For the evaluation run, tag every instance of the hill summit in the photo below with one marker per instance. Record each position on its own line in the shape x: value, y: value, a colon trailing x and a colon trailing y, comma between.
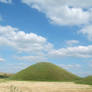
x: 44, y: 72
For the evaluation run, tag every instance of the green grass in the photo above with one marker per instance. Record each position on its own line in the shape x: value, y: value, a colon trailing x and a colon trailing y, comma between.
x: 4, y: 77
x: 86, y: 80
x: 3, y: 80
x: 44, y: 72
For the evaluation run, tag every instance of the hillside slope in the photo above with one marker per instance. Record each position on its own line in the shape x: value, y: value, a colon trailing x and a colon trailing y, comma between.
x: 44, y: 72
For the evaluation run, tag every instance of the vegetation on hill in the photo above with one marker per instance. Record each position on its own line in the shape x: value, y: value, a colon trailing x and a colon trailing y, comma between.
x: 45, y: 72
x: 86, y: 80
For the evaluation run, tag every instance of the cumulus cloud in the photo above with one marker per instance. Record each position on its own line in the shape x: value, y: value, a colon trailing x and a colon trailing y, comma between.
x: 33, y: 45
x: 87, y: 31
x: 64, y: 12
x: 6, y: 1
x: 71, y: 66
x: 78, y: 51
x: 21, y: 41
x: 72, y: 42
x: 2, y: 59
x: 38, y: 58
x: 37, y: 48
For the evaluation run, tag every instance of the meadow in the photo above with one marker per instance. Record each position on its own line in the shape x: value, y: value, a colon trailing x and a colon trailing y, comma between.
x: 25, y: 86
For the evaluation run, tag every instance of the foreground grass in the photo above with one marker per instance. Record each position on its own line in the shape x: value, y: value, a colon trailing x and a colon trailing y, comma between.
x: 7, y: 85
x: 80, y: 81
x: 4, y: 80
x: 25, y: 86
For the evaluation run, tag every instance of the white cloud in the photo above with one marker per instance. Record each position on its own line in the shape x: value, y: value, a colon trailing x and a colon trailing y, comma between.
x: 78, y: 51
x: 2, y: 59
x: 64, y: 12
x: 72, y: 42
x: 87, y: 31
x: 33, y: 58
x: 74, y: 3
x: 33, y: 45
x: 71, y: 66
x: 21, y: 41
x: 6, y: 1
x: 36, y: 47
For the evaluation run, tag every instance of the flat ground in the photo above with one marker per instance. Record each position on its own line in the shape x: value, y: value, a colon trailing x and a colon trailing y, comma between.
x: 23, y: 86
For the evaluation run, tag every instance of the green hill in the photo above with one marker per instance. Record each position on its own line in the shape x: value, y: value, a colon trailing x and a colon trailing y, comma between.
x: 44, y: 72
x: 86, y: 80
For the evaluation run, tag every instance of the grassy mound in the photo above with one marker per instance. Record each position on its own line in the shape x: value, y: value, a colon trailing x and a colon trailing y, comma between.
x: 87, y: 80
x: 44, y: 72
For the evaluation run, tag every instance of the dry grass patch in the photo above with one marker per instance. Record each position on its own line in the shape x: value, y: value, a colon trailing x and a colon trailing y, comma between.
x: 23, y: 86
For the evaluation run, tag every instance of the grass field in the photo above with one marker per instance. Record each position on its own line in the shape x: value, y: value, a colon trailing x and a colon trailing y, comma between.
x: 23, y: 86
x: 3, y: 80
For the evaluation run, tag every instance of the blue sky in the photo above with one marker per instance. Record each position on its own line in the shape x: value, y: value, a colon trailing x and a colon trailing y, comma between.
x: 42, y: 30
